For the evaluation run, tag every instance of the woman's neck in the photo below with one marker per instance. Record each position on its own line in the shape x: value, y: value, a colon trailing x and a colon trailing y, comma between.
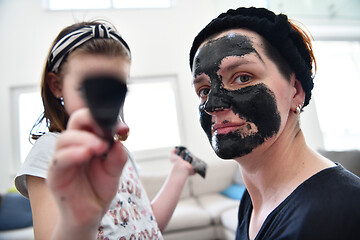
x: 272, y: 175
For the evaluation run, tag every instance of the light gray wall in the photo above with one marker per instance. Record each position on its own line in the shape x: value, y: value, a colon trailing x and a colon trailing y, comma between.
x: 160, y: 41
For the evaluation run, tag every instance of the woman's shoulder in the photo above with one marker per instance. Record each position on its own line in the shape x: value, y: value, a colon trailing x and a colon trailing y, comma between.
x: 332, y: 190
x: 327, y: 202
x: 335, y: 178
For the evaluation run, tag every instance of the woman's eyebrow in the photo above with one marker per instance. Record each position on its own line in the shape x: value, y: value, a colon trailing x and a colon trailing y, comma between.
x: 231, y: 66
x: 234, y: 65
x: 258, y: 56
x: 199, y: 80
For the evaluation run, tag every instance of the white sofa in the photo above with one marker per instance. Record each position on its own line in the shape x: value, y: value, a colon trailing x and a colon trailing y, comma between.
x: 202, y: 212
x: 18, y: 234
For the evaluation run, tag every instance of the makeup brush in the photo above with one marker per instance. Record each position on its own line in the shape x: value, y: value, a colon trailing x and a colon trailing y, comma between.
x: 105, y: 96
x: 199, y: 165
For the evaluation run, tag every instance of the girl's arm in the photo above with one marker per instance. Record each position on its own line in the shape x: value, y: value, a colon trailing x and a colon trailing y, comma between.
x: 82, y: 180
x: 43, y: 206
x: 165, y: 201
x: 46, y: 214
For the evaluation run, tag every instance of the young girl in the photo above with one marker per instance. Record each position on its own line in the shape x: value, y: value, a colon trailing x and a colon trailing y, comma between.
x: 72, y: 176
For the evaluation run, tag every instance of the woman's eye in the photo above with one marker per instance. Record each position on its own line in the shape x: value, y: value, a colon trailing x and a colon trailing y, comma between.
x: 203, y: 92
x: 243, y: 78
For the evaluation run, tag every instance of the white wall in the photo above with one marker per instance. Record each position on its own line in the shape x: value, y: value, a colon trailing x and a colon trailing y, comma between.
x: 160, y: 41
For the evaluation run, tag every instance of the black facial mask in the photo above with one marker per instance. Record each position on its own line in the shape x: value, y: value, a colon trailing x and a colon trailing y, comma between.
x: 255, y: 104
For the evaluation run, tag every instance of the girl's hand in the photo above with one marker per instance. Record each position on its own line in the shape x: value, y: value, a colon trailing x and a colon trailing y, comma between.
x: 85, y: 171
x: 180, y: 164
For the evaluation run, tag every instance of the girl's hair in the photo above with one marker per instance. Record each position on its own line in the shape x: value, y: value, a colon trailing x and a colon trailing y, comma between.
x: 286, y: 44
x: 54, y: 114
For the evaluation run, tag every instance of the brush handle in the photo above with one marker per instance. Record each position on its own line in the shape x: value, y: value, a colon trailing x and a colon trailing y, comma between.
x: 199, y: 165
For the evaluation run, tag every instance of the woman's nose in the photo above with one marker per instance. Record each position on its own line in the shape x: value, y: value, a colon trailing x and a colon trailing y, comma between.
x: 216, y: 102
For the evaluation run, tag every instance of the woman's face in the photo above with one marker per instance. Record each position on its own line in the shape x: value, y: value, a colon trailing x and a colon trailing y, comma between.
x: 244, y: 99
x: 80, y: 66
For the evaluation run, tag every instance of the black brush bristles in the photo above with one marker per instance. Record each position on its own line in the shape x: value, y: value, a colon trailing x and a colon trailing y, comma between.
x: 105, y: 96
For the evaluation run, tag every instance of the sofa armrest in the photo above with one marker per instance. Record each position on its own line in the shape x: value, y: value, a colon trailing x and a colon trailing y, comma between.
x: 219, y: 176
x: 348, y: 159
x: 153, y: 181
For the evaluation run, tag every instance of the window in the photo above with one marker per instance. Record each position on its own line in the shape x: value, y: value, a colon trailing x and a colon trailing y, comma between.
x: 142, y: 3
x: 150, y: 110
x: 77, y: 4
x: 28, y: 108
x: 336, y: 93
x: 105, y: 4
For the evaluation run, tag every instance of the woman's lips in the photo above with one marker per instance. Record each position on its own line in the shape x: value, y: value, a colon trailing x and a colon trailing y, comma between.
x: 225, y: 128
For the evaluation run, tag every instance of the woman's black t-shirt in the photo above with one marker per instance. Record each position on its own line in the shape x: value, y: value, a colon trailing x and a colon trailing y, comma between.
x: 324, y: 207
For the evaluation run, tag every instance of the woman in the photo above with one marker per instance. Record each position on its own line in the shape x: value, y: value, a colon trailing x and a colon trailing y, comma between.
x: 253, y: 73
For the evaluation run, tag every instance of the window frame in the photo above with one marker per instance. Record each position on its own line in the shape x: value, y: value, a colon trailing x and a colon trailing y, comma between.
x: 15, y: 93
x: 338, y: 30
x: 331, y: 140
x: 160, y: 153
x: 139, y: 155
x: 110, y: 5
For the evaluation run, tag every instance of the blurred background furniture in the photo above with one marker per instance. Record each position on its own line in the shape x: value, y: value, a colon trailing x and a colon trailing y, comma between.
x: 15, y: 217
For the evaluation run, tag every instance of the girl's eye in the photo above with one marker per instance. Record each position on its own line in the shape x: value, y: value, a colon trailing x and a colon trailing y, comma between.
x: 203, y: 92
x: 243, y: 78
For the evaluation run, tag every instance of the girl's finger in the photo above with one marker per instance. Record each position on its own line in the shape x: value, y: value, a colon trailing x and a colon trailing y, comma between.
x: 65, y: 165
x: 115, y: 160
x: 77, y: 137
x: 82, y: 120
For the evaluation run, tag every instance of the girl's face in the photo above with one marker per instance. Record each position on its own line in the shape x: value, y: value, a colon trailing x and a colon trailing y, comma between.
x: 80, y: 66
x: 244, y: 99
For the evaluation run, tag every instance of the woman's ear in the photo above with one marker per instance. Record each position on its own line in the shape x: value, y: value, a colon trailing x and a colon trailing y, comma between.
x: 55, y: 84
x: 298, y: 97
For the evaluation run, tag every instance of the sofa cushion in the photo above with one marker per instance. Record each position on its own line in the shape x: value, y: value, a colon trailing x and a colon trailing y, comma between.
x: 188, y: 214
x: 215, y: 204
x: 18, y: 234
x: 15, y: 212
x: 203, y: 233
x: 220, y: 175
x: 238, y: 178
x: 228, y: 235
x: 229, y: 219
x: 234, y: 191
x: 153, y: 181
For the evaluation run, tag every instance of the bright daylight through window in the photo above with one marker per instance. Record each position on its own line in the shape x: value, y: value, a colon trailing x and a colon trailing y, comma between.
x: 150, y: 111
x: 105, y: 4
x: 336, y: 93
